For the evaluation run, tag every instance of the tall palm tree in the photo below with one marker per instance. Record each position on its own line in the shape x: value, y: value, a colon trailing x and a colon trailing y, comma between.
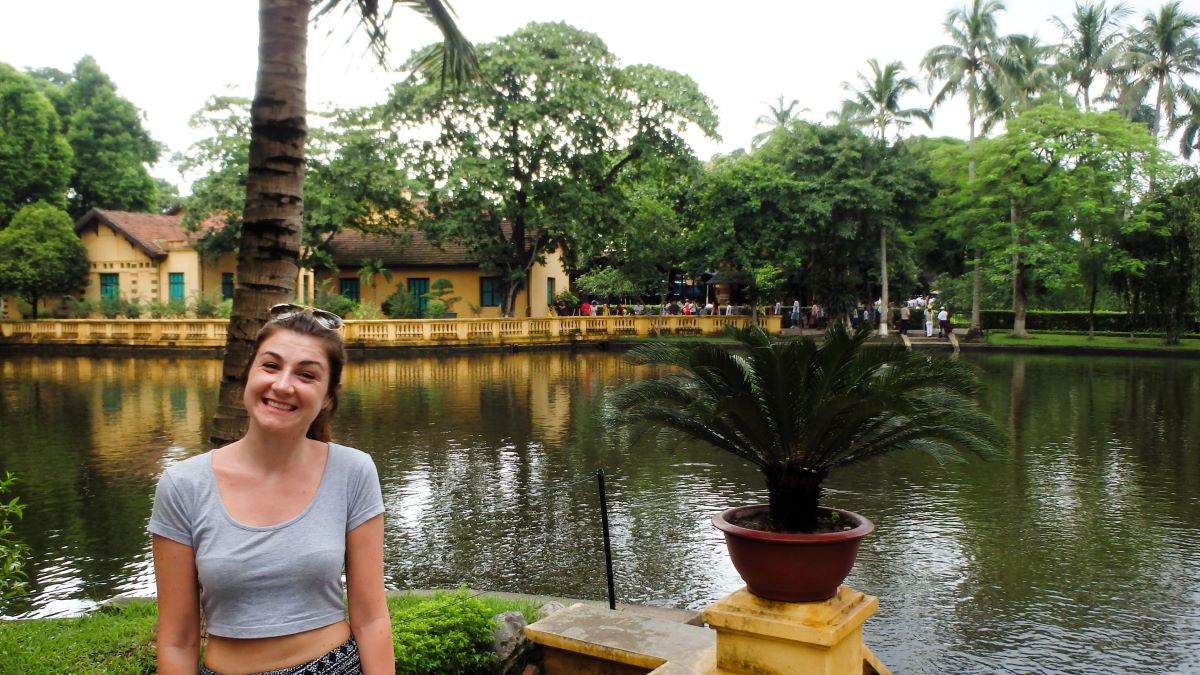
x: 797, y: 410
x: 1092, y: 45
x: 779, y: 116
x: 1189, y: 122
x: 876, y: 104
x: 1160, y: 54
x: 968, y: 65
x: 271, y: 220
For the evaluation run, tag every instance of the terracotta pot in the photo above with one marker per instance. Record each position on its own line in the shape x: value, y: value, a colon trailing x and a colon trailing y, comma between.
x: 791, y: 567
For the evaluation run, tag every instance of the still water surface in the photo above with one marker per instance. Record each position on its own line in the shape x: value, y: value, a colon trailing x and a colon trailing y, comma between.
x: 1081, y: 553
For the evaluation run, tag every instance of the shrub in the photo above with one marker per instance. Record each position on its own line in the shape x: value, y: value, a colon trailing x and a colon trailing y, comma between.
x: 12, y: 551
x: 110, y: 307
x: 204, y: 308
x: 435, y: 309
x: 402, y: 305
x: 441, y: 291
x: 78, y: 308
x: 451, y: 634
x: 366, y: 311
x: 131, y: 308
x: 338, y: 304
x: 157, y: 309
x: 1002, y: 319
x: 225, y: 308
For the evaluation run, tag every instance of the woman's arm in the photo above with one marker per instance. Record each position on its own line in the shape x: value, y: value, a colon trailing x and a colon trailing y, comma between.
x: 178, y: 607
x: 369, y: 618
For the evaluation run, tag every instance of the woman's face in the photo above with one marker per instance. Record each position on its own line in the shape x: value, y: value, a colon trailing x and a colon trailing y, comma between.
x: 288, y: 383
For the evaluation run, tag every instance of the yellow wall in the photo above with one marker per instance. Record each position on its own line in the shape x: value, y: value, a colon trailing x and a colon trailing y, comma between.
x: 111, y: 253
x: 466, y: 286
x: 210, y: 275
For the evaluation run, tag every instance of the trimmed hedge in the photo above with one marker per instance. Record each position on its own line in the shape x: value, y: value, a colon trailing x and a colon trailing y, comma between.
x: 1117, y: 322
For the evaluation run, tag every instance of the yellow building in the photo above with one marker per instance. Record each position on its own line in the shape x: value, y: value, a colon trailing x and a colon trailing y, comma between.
x: 414, y: 264
x: 149, y: 256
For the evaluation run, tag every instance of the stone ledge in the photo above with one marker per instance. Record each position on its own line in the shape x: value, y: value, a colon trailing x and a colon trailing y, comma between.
x: 620, y: 637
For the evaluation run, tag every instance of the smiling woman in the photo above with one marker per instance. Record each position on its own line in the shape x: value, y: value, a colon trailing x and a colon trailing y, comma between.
x: 257, y: 533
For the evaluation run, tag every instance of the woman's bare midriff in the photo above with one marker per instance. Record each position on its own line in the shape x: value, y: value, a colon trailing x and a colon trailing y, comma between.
x: 242, y: 656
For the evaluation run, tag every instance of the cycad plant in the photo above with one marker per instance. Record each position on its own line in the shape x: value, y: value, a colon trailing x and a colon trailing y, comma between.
x: 797, y: 409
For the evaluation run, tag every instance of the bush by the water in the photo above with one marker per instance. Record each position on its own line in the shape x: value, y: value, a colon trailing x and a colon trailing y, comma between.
x: 443, y: 633
x: 1117, y: 322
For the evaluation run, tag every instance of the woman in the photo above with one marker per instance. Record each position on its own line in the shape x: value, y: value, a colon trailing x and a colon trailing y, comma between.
x: 257, y: 533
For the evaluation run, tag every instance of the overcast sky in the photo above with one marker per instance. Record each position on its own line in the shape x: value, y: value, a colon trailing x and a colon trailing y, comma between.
x: 168, y: 56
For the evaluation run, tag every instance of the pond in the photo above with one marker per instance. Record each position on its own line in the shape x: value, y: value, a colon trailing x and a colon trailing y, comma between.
x: 1080, y: 552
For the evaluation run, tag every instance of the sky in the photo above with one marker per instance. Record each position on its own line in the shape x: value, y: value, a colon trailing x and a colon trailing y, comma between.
x: 168, y: 56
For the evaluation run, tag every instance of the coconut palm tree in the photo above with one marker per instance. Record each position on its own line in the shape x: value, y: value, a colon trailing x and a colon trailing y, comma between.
x: 1190, y: 123
x: 780, y: 116
x: 1160, y: 54
x: 1092, y: 45
x: 969, y: 65
x: 798, y: 409
x: 876, y: 104
x: 271, y: 220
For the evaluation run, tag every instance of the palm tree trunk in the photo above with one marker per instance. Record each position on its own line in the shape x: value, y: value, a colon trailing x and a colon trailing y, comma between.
x: 271, y: 221
x: 976, y: 326
x: 885, y: 316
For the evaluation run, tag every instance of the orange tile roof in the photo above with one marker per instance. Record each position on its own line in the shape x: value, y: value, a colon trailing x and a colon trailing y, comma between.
x: 350, y: 248
x: 144, y: 230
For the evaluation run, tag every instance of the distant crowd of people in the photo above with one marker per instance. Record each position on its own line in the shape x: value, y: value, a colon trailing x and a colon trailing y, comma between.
x: 920, y: 309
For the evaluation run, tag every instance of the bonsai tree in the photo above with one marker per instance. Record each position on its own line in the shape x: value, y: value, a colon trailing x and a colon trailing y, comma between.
x: 797, y: 409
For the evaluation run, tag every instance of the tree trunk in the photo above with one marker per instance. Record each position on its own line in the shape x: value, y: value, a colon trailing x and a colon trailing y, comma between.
x: 1019, y: 281
x: 885, y: 316
x: 270, y: 244
x: 976, y: 327
x: 793, y: 497
x: 1092, y: 305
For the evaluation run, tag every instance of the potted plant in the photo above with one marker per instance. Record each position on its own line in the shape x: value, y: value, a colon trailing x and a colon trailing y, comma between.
x: 797, y: 409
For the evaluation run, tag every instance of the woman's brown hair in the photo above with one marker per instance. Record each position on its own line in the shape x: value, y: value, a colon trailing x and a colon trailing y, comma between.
x: 304, y: 324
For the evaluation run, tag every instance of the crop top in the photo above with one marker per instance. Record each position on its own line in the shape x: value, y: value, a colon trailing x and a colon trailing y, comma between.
x: 268, y: 581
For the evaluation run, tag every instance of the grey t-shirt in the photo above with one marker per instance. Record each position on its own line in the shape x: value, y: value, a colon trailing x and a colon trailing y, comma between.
x: 268, y: 581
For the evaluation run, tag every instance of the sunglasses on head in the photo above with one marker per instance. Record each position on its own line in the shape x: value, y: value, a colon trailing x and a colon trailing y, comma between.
x: 326, y: 319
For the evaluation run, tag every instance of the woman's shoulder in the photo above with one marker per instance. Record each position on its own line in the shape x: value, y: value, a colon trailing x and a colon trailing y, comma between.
x: 192, y: 467
x: 346, y: 456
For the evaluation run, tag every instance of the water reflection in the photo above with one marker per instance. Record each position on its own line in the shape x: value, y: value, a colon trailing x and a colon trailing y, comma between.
x: 1078, y: 553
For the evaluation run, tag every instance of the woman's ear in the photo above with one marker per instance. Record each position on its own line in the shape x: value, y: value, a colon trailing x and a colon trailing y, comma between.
x: 329, y: 396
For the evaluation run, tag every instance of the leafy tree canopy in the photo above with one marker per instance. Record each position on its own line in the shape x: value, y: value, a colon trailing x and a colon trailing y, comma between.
x: 40, y: 254
x: 542, y: 147
x: 112, y: 150
x: 811, y: 202
x: 35, y: 158
x: 353, y: 176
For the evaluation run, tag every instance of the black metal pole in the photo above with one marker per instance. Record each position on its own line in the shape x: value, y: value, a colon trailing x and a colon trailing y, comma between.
x: 612, y: 594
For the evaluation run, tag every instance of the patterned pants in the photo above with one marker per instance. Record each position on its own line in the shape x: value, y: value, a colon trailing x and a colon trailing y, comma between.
x: 341, y: 660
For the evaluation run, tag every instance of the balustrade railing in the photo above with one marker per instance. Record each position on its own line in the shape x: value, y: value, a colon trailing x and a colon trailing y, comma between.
x: 401, y: 332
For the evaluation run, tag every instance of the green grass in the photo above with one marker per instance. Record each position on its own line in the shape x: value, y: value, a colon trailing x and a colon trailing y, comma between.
x: 112, y: 640
x: 120, y: 640
x: 1057, y: 340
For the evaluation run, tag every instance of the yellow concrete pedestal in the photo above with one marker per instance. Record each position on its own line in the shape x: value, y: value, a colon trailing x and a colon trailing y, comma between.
x: 815, y: 638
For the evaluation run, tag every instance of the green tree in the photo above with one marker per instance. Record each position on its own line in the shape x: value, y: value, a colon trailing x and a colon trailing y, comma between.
x: 779, y: 116
x: 35, y: 158
x: 811, y: 202
x: 1166, y: 282
x: 969, y: 65
x: 1160, y: 54
x: 269, y: 242
x: 112, y: 150
x: 1092, y: 45
x: 1067, y: 178
x: 531, y: 163
x: 40, y: 255
x: 877, y: 105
